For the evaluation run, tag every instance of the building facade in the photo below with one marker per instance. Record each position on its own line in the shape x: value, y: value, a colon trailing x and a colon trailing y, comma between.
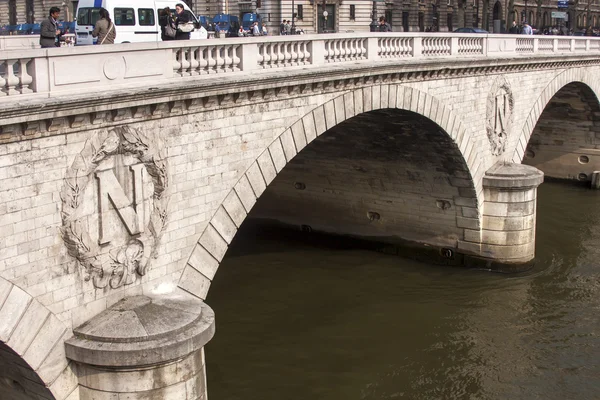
x: 357, y: 15
x: 408, y: 15
x: 14, y: 12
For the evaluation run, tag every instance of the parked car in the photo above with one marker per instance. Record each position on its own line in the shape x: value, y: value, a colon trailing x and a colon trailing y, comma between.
x: 470, y: 30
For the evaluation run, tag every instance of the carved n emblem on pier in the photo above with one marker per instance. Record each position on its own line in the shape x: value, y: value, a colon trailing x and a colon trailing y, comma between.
x: 131, y: 212
x: 115, y: 206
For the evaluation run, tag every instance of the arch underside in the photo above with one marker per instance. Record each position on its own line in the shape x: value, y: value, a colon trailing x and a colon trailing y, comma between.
x: 33, y: 364
x: 18, y: 381
x: 565, y: 142
x: 589, y: 90
x: 452, y: 151
x: 388, y: 175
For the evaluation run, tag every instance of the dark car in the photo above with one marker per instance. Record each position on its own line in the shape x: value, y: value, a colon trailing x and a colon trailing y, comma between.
x: 470, y: 30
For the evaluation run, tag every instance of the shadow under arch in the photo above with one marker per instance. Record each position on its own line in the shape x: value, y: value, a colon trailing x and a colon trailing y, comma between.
x: 575, y: 75
x: 229, y: 216
x: 33, y: 363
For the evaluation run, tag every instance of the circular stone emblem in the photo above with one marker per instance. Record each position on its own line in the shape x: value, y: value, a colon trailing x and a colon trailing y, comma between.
x: 114, y: 206
x: 499, y: 111
x: 114, y: 67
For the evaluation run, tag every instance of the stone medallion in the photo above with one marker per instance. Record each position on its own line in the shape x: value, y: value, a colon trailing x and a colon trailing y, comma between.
x: 114, y: 204
x: 499, y: 112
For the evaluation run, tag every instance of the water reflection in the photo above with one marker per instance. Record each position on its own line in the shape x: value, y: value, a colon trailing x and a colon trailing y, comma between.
x: 297, y: 321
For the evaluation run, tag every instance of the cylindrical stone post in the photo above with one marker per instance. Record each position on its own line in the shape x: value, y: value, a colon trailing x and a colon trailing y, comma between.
x: 509, y: 213
x: 144, y: 348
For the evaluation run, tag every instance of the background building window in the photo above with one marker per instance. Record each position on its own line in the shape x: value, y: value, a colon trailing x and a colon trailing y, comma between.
x: 405, y: 25
x: 12, y: 12
x: 388, y: 17
x: 300, y: 14
x: 352, y: 12
x: 30, y: 12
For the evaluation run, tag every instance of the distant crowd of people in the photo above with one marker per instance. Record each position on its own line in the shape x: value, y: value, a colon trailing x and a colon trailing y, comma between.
x: 561, y: 29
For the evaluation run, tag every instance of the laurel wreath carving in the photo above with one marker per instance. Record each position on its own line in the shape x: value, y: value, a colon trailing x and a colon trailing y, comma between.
x: 128, y: 261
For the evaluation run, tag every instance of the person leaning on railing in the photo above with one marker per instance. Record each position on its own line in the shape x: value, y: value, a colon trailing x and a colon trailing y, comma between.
x: 105, y: 28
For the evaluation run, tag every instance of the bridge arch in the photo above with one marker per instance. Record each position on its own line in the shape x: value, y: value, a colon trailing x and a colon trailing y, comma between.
x: 32, y: 353
x: 229, y: 216
x: 571, y: 76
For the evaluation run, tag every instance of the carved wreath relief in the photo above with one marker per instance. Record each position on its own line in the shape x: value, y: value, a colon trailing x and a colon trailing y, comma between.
x: 114, y: 206
x: 499, y: 113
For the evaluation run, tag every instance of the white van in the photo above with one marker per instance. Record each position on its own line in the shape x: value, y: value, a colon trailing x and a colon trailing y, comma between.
x: 135, y: 20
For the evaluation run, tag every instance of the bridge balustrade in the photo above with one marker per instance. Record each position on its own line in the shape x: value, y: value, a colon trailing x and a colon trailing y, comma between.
x: 39, y: 73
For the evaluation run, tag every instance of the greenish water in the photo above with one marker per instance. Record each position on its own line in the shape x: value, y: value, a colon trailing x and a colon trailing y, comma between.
x: 297, y: 321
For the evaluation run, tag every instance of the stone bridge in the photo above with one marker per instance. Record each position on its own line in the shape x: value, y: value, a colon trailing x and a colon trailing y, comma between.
x: 126, y: 171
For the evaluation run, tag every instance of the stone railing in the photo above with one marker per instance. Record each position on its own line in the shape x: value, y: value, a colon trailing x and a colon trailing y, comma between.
x: 30, y: 73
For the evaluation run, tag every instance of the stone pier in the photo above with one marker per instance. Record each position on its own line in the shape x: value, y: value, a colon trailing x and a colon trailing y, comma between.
x: 144, y: 348
x: 508, y: 223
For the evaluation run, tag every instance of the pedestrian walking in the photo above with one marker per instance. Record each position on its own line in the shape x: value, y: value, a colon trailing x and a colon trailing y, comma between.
x: 184, y: 23
x: 256, y: 31
x: 265, y: 32
x: 104, y: 29
x: 282, y: 28
x: 168, y: 30
x: 527, y: 30
x: 514, y: 29
x: 49, y: 32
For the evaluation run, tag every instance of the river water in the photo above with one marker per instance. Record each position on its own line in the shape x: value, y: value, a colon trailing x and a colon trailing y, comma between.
x: 297, y: 321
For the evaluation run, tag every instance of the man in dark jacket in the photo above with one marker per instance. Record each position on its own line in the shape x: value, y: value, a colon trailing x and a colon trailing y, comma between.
x: 183, y: 17
x: 49, y: 32
x: 384, y: 26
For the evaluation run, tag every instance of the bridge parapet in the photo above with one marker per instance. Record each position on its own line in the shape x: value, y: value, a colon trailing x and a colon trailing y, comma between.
x: 44, y: 73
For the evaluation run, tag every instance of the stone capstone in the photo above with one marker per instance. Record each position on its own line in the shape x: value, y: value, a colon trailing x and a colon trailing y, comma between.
x: 512, y: 176
x: 144, y: 347
x: 143, y: 330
